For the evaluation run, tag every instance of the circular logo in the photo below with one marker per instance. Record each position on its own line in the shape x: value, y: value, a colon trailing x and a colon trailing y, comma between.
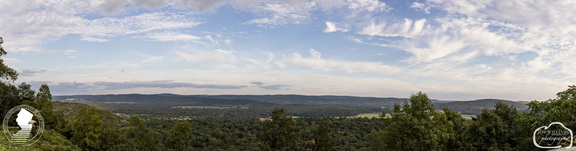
x: 27, y: 131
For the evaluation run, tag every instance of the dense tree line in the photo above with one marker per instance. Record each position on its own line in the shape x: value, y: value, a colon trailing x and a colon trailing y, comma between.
x: 414, y: 125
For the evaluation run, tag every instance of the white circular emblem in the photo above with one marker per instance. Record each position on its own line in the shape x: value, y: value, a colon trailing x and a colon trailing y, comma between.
x: 28, y: 131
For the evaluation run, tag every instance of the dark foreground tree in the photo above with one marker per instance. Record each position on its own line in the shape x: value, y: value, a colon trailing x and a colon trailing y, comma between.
x: 94, y: 129
x: 415, y: 126
x: 280, y: 133
x: 561, y: 109
x: 180, y: 136
x: 321, y: 139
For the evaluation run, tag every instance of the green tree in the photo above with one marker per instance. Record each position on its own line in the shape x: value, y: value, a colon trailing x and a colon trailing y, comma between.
x: 180, y: 136
x: 26, y: 94
x: 415, y: 126
x: 94, y: 129
x: 280, y: 133
x: 8, y: 97
x: 8, y: 93
x: 494, y: 129
x: 6, y: 73
x: 44, y: 105
x: 321, y: 139
x: 456, y: 127
x: 139, y: 137
x: 561, y: 109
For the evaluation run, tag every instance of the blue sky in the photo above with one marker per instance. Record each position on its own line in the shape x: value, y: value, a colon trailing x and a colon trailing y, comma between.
x: 449, y: 49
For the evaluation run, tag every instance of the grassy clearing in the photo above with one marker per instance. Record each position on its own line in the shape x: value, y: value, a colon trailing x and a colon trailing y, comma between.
x: 377, y: 115
x: 467, y: 117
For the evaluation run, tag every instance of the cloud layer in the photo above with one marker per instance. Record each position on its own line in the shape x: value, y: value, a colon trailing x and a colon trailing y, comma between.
x: 511, y: 49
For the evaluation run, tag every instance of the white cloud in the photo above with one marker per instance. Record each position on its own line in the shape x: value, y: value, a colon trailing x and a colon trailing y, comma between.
x: 242, y: 4
x: 199, y: 5
x: 408, y: 28
x: 93, y: 39
x: 282, y: 13
x: 421, y: 7
x: 317, y: 62
x: 149, y: 58
x: 367, y: 5
x: 215, y: 56
x: 508, y: 28
x: 136, y: 24
x: 112, y: 7
x: 150, y: 4
x: 28, y: 25
x: 171, y: 36
x: 328, y: 4
x: 331, y: 27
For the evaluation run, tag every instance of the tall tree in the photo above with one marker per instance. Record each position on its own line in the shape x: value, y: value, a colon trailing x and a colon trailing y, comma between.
x: 280, y: 133
x: 6, y: 73
x: 456, y: 127
x: 43, y: 102
x: 94, y: 129
x: 180, y: 136
x: 8, y: 93
x: 561, y: 109
x: 8, y: 97
x: 26, y: 94
x: 139, y: 137
x: 415, y: 126
x: 321, y: 139
x: 494, y: 129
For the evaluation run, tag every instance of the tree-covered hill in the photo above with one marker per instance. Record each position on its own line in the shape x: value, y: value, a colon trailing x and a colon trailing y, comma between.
x: 298, y: 105
x: 475, y: 107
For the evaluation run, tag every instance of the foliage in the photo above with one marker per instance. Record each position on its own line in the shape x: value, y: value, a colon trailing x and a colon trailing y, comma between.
x: 321, y: 139
x: 279, y: 133
x: 415, y: 126
x: 94, y: 129
x: 138, y: 137
x: 180, y: 136
x: 6, y: 73
x: 561, y: 109
x: 493, y: 129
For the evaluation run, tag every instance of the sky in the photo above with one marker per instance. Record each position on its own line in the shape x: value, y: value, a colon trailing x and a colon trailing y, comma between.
x: 450, y: 49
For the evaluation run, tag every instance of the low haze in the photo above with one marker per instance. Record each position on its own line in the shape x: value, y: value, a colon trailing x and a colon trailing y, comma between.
x: 449, y: 49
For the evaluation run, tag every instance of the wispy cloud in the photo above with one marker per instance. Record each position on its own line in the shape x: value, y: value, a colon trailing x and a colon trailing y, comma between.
x: 282, y: 13
x: 171, y: 36
x: 162, y: 84
x: 408, y: 28
x: 331, y: 27
x: 217, y: 56
x: 149, y: 58
x: 316, y: 61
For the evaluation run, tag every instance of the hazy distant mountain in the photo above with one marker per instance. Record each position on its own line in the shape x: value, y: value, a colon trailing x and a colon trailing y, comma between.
x: 167, y: 99
x: 465, y: 107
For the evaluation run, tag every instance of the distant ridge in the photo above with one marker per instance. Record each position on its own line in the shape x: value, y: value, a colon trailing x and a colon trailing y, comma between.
x: 473, y: 107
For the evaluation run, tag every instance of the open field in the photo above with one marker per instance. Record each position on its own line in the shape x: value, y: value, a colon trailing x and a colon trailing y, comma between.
x: 377, y: 115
